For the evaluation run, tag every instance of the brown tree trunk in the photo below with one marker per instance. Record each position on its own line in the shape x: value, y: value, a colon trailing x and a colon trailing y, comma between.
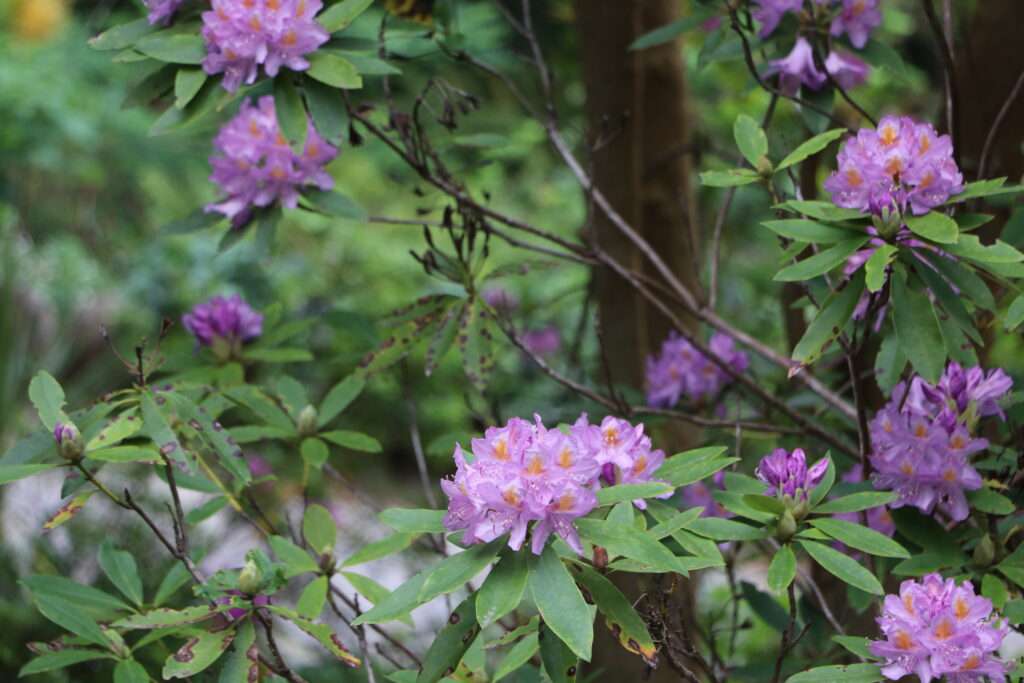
x: 637, y: 133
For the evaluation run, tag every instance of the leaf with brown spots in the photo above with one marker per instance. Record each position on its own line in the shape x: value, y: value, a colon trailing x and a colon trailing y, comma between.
x: 323, y: 634
x: 198, y: 653
x: 623, y: 621
x: 165, y: 618
x: 243, y: 661
x: 70, y: 508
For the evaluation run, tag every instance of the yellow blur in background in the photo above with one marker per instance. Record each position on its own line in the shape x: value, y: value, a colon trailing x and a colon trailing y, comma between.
x: 37, y: 20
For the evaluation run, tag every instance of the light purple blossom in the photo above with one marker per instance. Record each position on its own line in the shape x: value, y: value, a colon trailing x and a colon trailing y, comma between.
x: 937, y: 628
x: 770, y: 12
x: 786, y: 473
x: 224, y: 323
x: 255, y: 166
x: 242, y: 35
x: 846, y: 69
x: 543, y: 341
x: 900, y: 165
x: 64, y: 432
x: 161, y: 11
x: 857, y: 19
x: 923, y: 438
x: 681, y: 370
x: 524, y: 474
x: 798, y: 68
x: 501, y: 299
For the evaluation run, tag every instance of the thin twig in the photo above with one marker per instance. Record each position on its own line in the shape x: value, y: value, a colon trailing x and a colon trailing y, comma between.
x: 993, y: 132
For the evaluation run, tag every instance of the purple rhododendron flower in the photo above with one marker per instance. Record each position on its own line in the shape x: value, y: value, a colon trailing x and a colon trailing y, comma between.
x: 223, y: 323
x: 242, y: 35
x: 847, y: 70
x: 937, y: 628
x: 501, y: 299
x: 857, y: 19
x: 161, y: 11
x: 901, y: 164
x: 63, y: 432
x: 770, y: 12
x: 786, y: 473
x: 798, y: 68
x: 524, y: 473
x: 543, y: 341
x: 256, y: 167
x: 680, y: 370
x: 923, y: 438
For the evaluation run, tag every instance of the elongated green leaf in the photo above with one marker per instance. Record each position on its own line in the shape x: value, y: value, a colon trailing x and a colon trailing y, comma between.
x: 782, y: 569
x: 121, y: 36
x: 116, y: 431
x: 969, y: 246
x: 825, y: 485
x: 841, y: 673
x: 313, y: 597
x: 413, y: 521
x: 334, y: 70
x: 9, y: 473
x: 987, y: 500
x: 821, y: 262
x: 620, y: 616
x: 166, y: 618
x: 198, y: 653
x: 187, y: 83
x: 965, y: 279
x: 146, y: 453
x: 1015, y: 314
x: 333, y: 203
x: 339, y: 398
x: 451, y: 643
x: 918, y: 330
x: 337, y: 17
x: 560, y: 603
x: 750, y: 139
x: 47, y: 396
x: 71, y: 618
x: 297, y: 561
x: 177, y: 48
x: 518, y: 656
x: 314, y: 452
x: 382, y: 548
x: 861, y: 537
x: 356, y: 441
x: 829, y: 323
x: 690, y: 466
x: 120, y: 568
x: 810, y: 147
x: 61, y: 659
x: 97, y: 604
x: 397, y: 604
x: 734, y: 177
x: 291, y: 113
x: 985, y: 188
x: 319, y: 529
x: 157, y: 428
x: 804, y: 230
x: 628, y: 492
x: 560, y: 662
x: 823, y: 211
x: 855, y: 502
x: 843, y: 567
x: 719, y: 529
x: 627, y: 541
x: 242, y: 665
x: 455, y: 570
x: 875, y: 267
x: 934, y: 226
x: 503, y: 589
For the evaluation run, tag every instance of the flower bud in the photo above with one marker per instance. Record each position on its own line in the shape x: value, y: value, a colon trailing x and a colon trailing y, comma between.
x: 801, y: 508
x: 307, y: 421
x: 251, y: 578
x: 69, y: 441
x: 764, y: 167
x: 984, y: 552
x: 786, y: 526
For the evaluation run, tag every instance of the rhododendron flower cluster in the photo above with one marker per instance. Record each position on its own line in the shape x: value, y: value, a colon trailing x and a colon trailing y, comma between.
x: 161, y: 11
x: 937, y: 628
x: 855, y: 18
x: 681, y: 370
x: 256, y: 167
x: 525, y: 473
x: 923, y: 439
x: 786, y: 473
x: 242, y: 35
x: 899, y: 165
x: 224, y: 323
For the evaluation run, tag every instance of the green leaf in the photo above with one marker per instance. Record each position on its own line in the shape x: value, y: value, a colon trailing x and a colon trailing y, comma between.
x: 560, y: 603
x: 963, y: 276
x: 804, y: 230
x: 333, y: 203
x: 322, y: 633
x: 97, y: 604
x: 691, y: 466
x: 121, y: 36
x: 334, y: 70
x: 454, y: 571
x: 239, y: 668
x: 397, y: 604
x: 206, y: 510
x: 839, y: 673
x: 503, y: 589
x: 823, y: 211
x: 769, y: 504
x: 130, y: 671
x: 855, y: 502
x: 560, y: 663
x: 827, y: 481
x: 71, y: 618
x: 262, y: 406
x: 669, y: 32
x: 117, y: 430
x: 61, y: 659
x: 47, y: 396
x: 198, y: 653
x: 9, y: 473
x: 146, y: 453
x: 176, y: 48
x: 629, y: 492
x: 620, y: 616
x: 750, y: 139
x: 934, y: 226
x: 120, y: 568
x: 810, y: 148
x: 356, y: 441
x: 199, y: 219
x: 291, y: 114
x: 994, y: 588
x: 158, y: 429
x: 765, y: 606
x: 782, y: 569
x: 229, y: 455
x: 167, y: 618
x: 187, y: 83
x: 314, y: 452
x: 875, y: 267
x: 987, y: 500
x: 918, y: 330
x: 289, y: 355
x: 861, y: 537
x: 1014, y: 314
x: 172, y: 582
x: 338, y: 17
x: 382, y: 548
x: 985, y: 188
x: 855, y: 644
x: 821, y: 262
x: 970, y: 247
x: 327, y: 108
x: 414, y: 521
x: 719, y: 529
x: 734, y: 177
x: 843, y: 567
x: 829, y: 322
x: 627, y: 541
x: 297, y: 561
x: 319, y: 529
x: 518, y: 656
x: 450, y: 644
x: 314, y: 595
